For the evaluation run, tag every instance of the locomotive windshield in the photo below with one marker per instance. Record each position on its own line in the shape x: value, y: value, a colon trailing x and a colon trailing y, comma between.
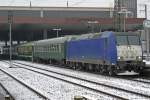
x: 127, y: 40
x: 134, y: 40
x: 121, y: 40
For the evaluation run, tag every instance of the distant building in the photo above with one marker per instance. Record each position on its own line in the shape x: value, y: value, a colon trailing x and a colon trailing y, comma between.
x: 123, y: 9
x: 131, y: 5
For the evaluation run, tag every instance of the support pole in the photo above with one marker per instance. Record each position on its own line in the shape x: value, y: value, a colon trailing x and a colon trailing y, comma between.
x: 10, y: 50
x: 124, y: 23
x: 10, y: 16
x: 147, y: 32
x: 45, y: 34
x: 57, y: 31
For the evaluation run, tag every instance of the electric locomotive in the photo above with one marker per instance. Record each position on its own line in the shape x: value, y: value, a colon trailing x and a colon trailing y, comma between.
x: 106, y: 52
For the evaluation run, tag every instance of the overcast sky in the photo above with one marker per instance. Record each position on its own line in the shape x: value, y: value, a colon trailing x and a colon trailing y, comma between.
x: 72, y: 3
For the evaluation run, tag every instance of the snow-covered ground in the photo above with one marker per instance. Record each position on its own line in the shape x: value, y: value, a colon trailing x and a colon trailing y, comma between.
x: 16, y: 89
x: 56, y: 89
x: 2, y: 91
x: 93, y: 77
x: 102, y: 79
x: 103, y: 88
x: 59, y: 90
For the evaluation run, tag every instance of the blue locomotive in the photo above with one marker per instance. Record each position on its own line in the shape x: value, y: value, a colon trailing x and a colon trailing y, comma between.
x: 107, y: 52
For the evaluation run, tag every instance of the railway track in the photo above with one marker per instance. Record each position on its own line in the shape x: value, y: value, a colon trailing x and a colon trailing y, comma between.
x: 7, y: 92
x: 142, y: 80
x: 127, y: 94
x: 35, y: 91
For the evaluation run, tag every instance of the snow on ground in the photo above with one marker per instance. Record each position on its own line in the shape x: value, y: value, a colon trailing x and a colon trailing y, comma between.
x: 16, y: 89
x: 56, y: 89
x: 59, y: 89
x: 2, y: 91
x: 106, y: 89
x: 122, y: 83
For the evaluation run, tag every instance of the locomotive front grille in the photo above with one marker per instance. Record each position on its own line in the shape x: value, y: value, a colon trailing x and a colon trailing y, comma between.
x: 128, y: 62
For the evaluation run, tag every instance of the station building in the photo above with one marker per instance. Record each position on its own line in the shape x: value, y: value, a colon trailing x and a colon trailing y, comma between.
x: 34, y: 23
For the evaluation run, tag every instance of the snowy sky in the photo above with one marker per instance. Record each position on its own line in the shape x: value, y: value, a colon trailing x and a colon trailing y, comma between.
x: 72, y: 3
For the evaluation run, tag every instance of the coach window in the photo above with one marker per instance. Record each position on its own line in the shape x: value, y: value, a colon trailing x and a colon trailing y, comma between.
x: 59, y: 46
x: 49, y: 48
x: 52, y: 48
x: 56, y: 47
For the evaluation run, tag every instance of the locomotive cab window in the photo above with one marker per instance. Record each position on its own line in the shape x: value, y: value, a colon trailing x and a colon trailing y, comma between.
x: 127, y: 40
x: 134, y: 40
x: 121, y: 40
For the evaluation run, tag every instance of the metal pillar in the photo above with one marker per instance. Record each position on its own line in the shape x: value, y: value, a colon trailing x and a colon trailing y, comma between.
x: 92, y: 23
x: 10, y: 16
x: 45, y: 34
x: 124, y: 23
x: 57, y: 30
x: 41, y: 14
x: 147, y: 38
x: 10, y: 50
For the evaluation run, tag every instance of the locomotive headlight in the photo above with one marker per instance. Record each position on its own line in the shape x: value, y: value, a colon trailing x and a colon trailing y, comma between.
x: 119, y: 58
x: 138, y: 58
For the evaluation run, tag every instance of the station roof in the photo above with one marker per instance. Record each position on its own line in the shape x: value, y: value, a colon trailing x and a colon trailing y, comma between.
x: 30, y: 22
x: 55, y: 8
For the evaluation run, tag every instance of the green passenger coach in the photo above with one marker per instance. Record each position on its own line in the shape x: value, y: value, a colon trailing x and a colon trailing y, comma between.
x: 25, y: 51
x: 51, y: 50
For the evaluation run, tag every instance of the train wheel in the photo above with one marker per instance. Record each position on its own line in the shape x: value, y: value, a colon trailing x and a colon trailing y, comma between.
x: 90, y: 67
x: 79, y: 66
x: 96, y: 68
x: 111, y: 71
x: 86, y: 68
x: 140, y: 70
x: 74, y: 65
x: 101, y: 70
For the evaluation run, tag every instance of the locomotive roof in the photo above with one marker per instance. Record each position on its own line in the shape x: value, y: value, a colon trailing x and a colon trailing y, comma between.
x: 126, y: 33
x: 103, y: 34
x: 85, y: 36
